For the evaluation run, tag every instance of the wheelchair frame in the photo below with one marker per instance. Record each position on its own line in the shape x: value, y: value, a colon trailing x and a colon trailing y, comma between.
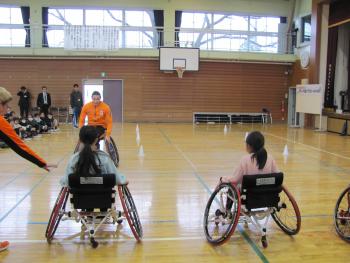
x: 129, y: 209
x: 342, y: 215
x: 223, y: 216
x: 59, y: 213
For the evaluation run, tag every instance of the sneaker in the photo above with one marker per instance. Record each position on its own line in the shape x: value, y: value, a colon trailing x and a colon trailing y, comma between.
x: 4, y: 245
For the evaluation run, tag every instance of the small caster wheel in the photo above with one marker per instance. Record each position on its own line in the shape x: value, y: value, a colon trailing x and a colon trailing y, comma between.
x: 119, y: 221
x: 264, y: 242
x: 94, y: 243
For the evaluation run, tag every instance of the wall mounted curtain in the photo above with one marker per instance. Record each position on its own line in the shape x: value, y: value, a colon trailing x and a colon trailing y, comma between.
x: 331, y: 62
x: 159, y: 22
x: 349, y: 78
x: 25, y: 10
x: 178, y: 16
x: 45, y: 21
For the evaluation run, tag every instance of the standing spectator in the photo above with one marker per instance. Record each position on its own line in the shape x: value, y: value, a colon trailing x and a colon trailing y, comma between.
x: 44, y: 101
x: 24, y: 100
x: 76, y: 102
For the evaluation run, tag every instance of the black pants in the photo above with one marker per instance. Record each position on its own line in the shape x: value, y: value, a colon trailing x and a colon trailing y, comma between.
x: 101, y: 130
x: 24, y: 109
x: 45, y: 109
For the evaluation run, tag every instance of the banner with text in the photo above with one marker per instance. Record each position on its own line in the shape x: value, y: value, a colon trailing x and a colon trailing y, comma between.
x: 91, y: 37
x: 309, y: 98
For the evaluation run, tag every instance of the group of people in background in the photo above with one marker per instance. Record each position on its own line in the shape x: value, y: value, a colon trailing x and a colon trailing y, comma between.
x: 43, y: 103
x: 32, y: 123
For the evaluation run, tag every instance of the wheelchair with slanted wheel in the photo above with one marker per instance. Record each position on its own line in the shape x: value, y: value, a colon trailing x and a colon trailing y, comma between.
x: 342, y: 215
x: 261, y: 197
x: 93, y: 204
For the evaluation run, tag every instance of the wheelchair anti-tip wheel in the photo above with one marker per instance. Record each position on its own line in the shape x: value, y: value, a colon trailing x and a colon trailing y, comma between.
x: 112, y: 150
x: 57, y: 213
x: 130, y: 211
x: 287, y: 215
x: 222, y: 213
x: 342, y: 215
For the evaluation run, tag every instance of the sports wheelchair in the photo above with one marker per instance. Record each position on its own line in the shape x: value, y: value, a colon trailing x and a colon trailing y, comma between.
x: 342, y: 215
x: 261, y: 196
x: 88, y: 194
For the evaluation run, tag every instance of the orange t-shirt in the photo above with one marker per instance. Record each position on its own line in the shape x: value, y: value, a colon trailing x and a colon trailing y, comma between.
x: 10, y: 137
x: 99, y: 115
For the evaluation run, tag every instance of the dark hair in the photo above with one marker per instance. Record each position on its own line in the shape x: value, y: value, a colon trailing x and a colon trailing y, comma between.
x: 96, y: 93
x: 256, y: 141
x: 86, y: 165
x: 75, y: 85
x: 23, y: 88
x: 43, y: 87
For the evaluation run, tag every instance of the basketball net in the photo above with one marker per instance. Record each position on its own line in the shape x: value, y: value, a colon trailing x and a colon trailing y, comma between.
x: 180, y: 71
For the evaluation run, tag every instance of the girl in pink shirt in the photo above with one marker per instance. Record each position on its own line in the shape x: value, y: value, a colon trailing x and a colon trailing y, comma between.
x: 256, y: 162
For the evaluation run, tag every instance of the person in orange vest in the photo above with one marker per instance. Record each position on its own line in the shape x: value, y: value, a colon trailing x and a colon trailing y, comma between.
x: 99, y: 115
x: 10, y: 137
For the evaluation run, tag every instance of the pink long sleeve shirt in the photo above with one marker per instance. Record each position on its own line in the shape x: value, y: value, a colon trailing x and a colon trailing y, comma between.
x: 247, y: 166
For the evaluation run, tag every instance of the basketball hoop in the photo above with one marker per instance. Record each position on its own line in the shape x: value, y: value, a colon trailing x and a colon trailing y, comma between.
x: 180, y: 71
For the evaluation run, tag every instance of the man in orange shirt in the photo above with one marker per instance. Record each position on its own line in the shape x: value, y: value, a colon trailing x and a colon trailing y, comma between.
x: 10, y: 137
x: 99, y: 115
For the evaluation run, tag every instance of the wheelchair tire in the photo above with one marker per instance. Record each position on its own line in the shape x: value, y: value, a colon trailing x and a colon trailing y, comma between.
x: 288, y: 209
x: 342, y: 209
x: 112, y: 150
x: 56, y: 214
x: 215, y: 219
x: 130, y: 211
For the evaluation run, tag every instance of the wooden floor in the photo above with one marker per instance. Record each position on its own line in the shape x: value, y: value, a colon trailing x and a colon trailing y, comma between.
x: 171, y: 185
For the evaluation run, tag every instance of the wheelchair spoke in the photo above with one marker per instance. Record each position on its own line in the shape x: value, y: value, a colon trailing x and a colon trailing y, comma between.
x: 342, y: 215
x: 222, y: 213
x: 287, y: 215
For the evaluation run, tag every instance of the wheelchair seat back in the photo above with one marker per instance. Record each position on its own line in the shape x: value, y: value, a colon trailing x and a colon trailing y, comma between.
x: 89, y: 192
x: 262, y: 190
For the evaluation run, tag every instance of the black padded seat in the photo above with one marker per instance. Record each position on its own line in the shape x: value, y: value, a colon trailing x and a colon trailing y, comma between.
x: 89, y: 192
x: 262, y: 190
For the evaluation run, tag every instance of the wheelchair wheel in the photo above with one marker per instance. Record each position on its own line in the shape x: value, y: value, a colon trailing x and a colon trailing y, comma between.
x: 56, y: 214
x: 287, y: 215
x: 130, y: 211
x: 112, y: 150
x: 222, y: 213
x: 342, y: 215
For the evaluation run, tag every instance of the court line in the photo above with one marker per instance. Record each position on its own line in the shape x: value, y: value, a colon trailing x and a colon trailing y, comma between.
x: 25, y: 172
x: 14, y: 179
x: 24, y: 197
x: 146, y: 222
x: 307, y: 146
x: 252, y: 244
x: 116, y: 240
x: 2, y: 217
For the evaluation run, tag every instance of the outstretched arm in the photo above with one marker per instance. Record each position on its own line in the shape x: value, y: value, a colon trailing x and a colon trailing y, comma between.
x: 9, y: 136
